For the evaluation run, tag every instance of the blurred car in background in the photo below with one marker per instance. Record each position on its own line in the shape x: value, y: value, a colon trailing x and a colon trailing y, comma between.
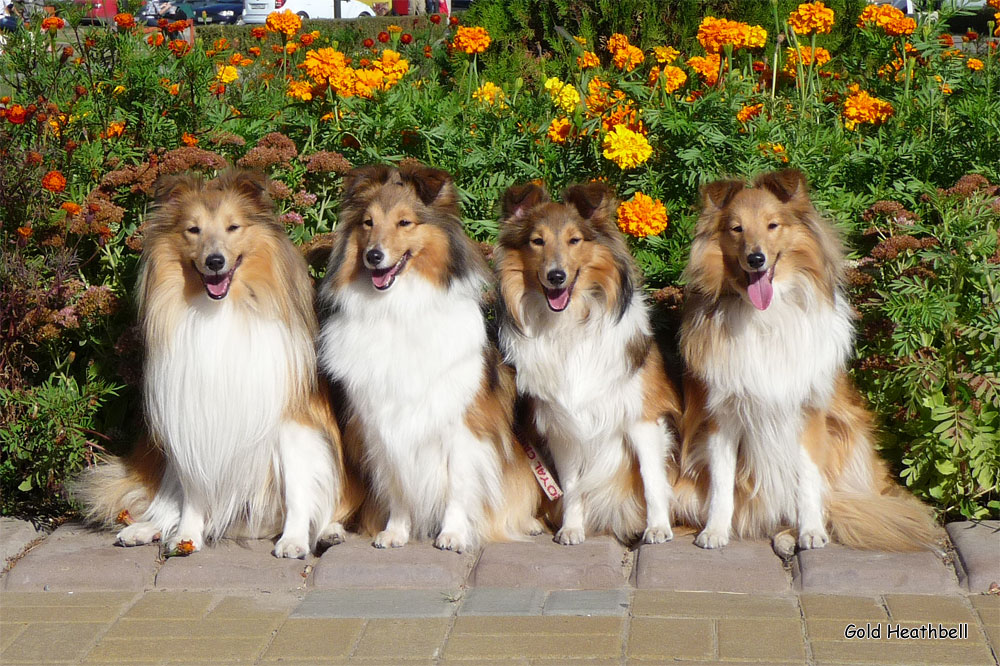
x: 256, y: 11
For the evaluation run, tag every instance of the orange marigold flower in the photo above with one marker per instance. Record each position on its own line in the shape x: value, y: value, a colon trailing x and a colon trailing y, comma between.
x: 617, y: 42
x: 291, y: 48
x: 559, y: 130
x: 490, y: 94
x: 155, y: 39
x: 628, y: 58
x: 17, y: 114
x: 254, y: 51
x: 642, y: 216
x: 179, y: 47
x: 665, y: 54
x: 25, y: 232
x: 54, y: 181
x: 707, y: 67
x: 599, y: 97
x: 861, y: 107
x: 811, y: 17
x: 887, y: 18
x: 588, y: 60
x: 71, y: 208
x: 715, y: 33
x: 805, y: 56
x: 393, y: 28
x: 258, y: 32
x: 307, y: 39
x: 748, y: 112
x: 185, y: 547
x: 115, y: 128
x: 125, y: 21
x: 471, y: 40
x: 775, y: 150
x: 626, y: 116
x: 975, y: 64
x: 284, y: 22
x: 671, y: 78
x: 189, y: 139
x: 300, y: 90
x: 53, y: 23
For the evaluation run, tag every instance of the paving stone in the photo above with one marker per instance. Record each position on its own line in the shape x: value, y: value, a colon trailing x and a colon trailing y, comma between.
x: 184, y: 650
x: 562, y: 646
x: 63, y: 606
x: 988, y: 608
x: 838, y: 569
x: 15, y: 536
x: 586, y: 602
x: 201, y: 628
x: 841, y: 630
x: 901, y: 652
x: 312, y: 640
x: 234, y: 565
x: 742, y: 566
x: 76, y: 558
x: 978, y: 546
x: 267, y: 606
x: 171, y: 604
x: 356, y: 564
x: 663, y: 638
x: 924, y: 608
x: 753, y: 638
x: 402, y: 638
x: 52, y: 642
x: 596, y: 564
x: 8, y: 632
x: 835, y: 606
x: 712, y: 605
x: 502, y: 601
x: 376, y: 603
x: 535, y: 626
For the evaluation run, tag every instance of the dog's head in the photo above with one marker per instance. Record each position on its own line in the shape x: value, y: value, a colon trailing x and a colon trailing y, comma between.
x: 749, y: 239
x: 401, y: 221
x: 572, y: 253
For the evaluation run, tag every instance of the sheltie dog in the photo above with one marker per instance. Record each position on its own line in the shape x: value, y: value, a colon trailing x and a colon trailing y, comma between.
x: 771, y: 418
x: 241, y: 440
x: 403, y: 336
x: 575, y: 326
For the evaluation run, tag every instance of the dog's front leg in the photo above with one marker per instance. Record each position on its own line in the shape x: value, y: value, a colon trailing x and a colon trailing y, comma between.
x: 308, y: 484
x: 162, y: 516
x: 564, y: 454
x: 190, y: 535
x: 397, y: 529
x: 723, y: 444
x: 472, y: 471
x: 809, y: 502
x: 651, y: 442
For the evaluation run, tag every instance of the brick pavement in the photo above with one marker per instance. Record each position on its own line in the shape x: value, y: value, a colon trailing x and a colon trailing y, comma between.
x: 75, y: 598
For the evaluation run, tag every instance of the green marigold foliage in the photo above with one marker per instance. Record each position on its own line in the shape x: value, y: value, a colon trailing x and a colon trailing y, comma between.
x: 90, y: 116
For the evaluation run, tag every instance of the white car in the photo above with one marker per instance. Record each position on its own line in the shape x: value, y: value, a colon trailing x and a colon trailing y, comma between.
x: 256, y: 11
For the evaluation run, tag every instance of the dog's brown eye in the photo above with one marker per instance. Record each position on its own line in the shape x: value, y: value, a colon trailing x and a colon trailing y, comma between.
x: 773, y: 225
x: 574, y: 241
x: 538, y: 241
x: 738, y: 229
x: 232, y: 227
x: 404, y: 223
x: 194, y: 230
x: 367, y: 223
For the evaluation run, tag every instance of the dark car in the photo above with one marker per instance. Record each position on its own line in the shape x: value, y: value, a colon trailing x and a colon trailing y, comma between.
x: 224, y: 12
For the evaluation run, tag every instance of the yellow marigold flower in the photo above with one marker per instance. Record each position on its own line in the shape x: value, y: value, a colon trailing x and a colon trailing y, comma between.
x: 707, y: 67
x: 975, y: 64
x: 490, y: 94
x: 775, y: 150
x: 944, y: 87
x: 671, y: 78
x: 642, y: 216
x: 811, y: 17
x: 284, y: 22
x: 588, y: 60
x: 628, y: 58
x: 887, y: 18
x: 563, y: 95
x: 325, y: 64
x: 617, y: 42
x: 626, y: 148
x: 394, y: 28
x: 861, y: 107
x: 227, y: 74
x: 715, y: 33
x: 805, y: 56
x: 471, y: 40
x: 392, y: 67
x: 665, y: 54
x: 367, y: 81
x: 748, y: 112
x: 300, y: 90
x: 115, y: 128
x: 559, y: 130
x: 756, y: 37
x: 189, y: 139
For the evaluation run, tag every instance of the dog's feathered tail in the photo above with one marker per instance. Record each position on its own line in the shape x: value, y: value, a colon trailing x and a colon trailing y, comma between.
x: 107, y: 489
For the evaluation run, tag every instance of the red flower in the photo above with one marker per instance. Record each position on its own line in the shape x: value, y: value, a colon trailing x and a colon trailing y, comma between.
x: 453, y: 20
x: 970, y: 36
x: 125, y: 21
x: 17, y: 114
x: 383, y: 37
x: 369, y: 43
x: 54, y: 181
x: 427, y: 51
x: 32, y: 158
x: 435, y: 18
x: 162, y: 23
x: 406, y: 38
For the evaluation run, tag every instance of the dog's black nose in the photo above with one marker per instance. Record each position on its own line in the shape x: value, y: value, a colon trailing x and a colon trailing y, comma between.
x: 756, y: 259
x: 556, y: 276
x: 374, y: 256
x: 215, y: 262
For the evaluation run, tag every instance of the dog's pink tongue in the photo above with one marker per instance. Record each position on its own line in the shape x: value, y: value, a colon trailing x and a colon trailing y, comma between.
x: 380, y: 278
x: 759, y: 289
x: 217, y: 285
x: 558, y: 298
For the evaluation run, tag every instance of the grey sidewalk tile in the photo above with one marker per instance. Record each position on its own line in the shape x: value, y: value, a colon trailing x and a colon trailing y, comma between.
x: 978, y: 546
x: 542, y: 563
x: 15, y: 536
x: 502, y: 601
x: 837, y: 569
x: 376, y: 603
x: 234, y: 565
x: 612, y: 603
x: 417, y: 565
x: 742, y: 566
x: 74, y: 558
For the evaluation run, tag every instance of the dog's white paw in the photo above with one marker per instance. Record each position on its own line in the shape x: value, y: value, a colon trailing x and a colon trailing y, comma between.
x: 657, y: 534
x: 570, y: 536
x: 390, y: 539
x: 138, y: 534
x: 184, y: 544
x: 813, y: 538
x: 710, y: 538
x: 452, y: 541
x: 294, y: 548
x: 535, y: 527
x: 331, y: 536
x: 783, y: 544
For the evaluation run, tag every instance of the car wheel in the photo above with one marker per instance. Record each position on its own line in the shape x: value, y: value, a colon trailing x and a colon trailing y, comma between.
x: 240, y: 21
x: 365, y: 14
x: 303, y: 16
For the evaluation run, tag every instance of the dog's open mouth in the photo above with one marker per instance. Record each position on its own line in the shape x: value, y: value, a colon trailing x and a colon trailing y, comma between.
x: 759, y: 287
x: 217, y: 284
x: 382, y: 278
x: 559, y: 298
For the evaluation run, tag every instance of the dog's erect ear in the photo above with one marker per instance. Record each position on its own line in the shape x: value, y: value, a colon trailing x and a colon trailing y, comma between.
x: 519, y: 199
x: 786, y: 184
x: 718, y: 194
x: 167, y: 188
x: 433, y: 186
x: 360, y: 178
x: 251, y: 184
x: 588, y: 199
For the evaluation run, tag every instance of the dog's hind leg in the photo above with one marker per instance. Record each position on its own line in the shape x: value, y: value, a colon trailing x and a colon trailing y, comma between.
x: 308, y: 485
x: 650, y: 442
x: 160, y: 519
